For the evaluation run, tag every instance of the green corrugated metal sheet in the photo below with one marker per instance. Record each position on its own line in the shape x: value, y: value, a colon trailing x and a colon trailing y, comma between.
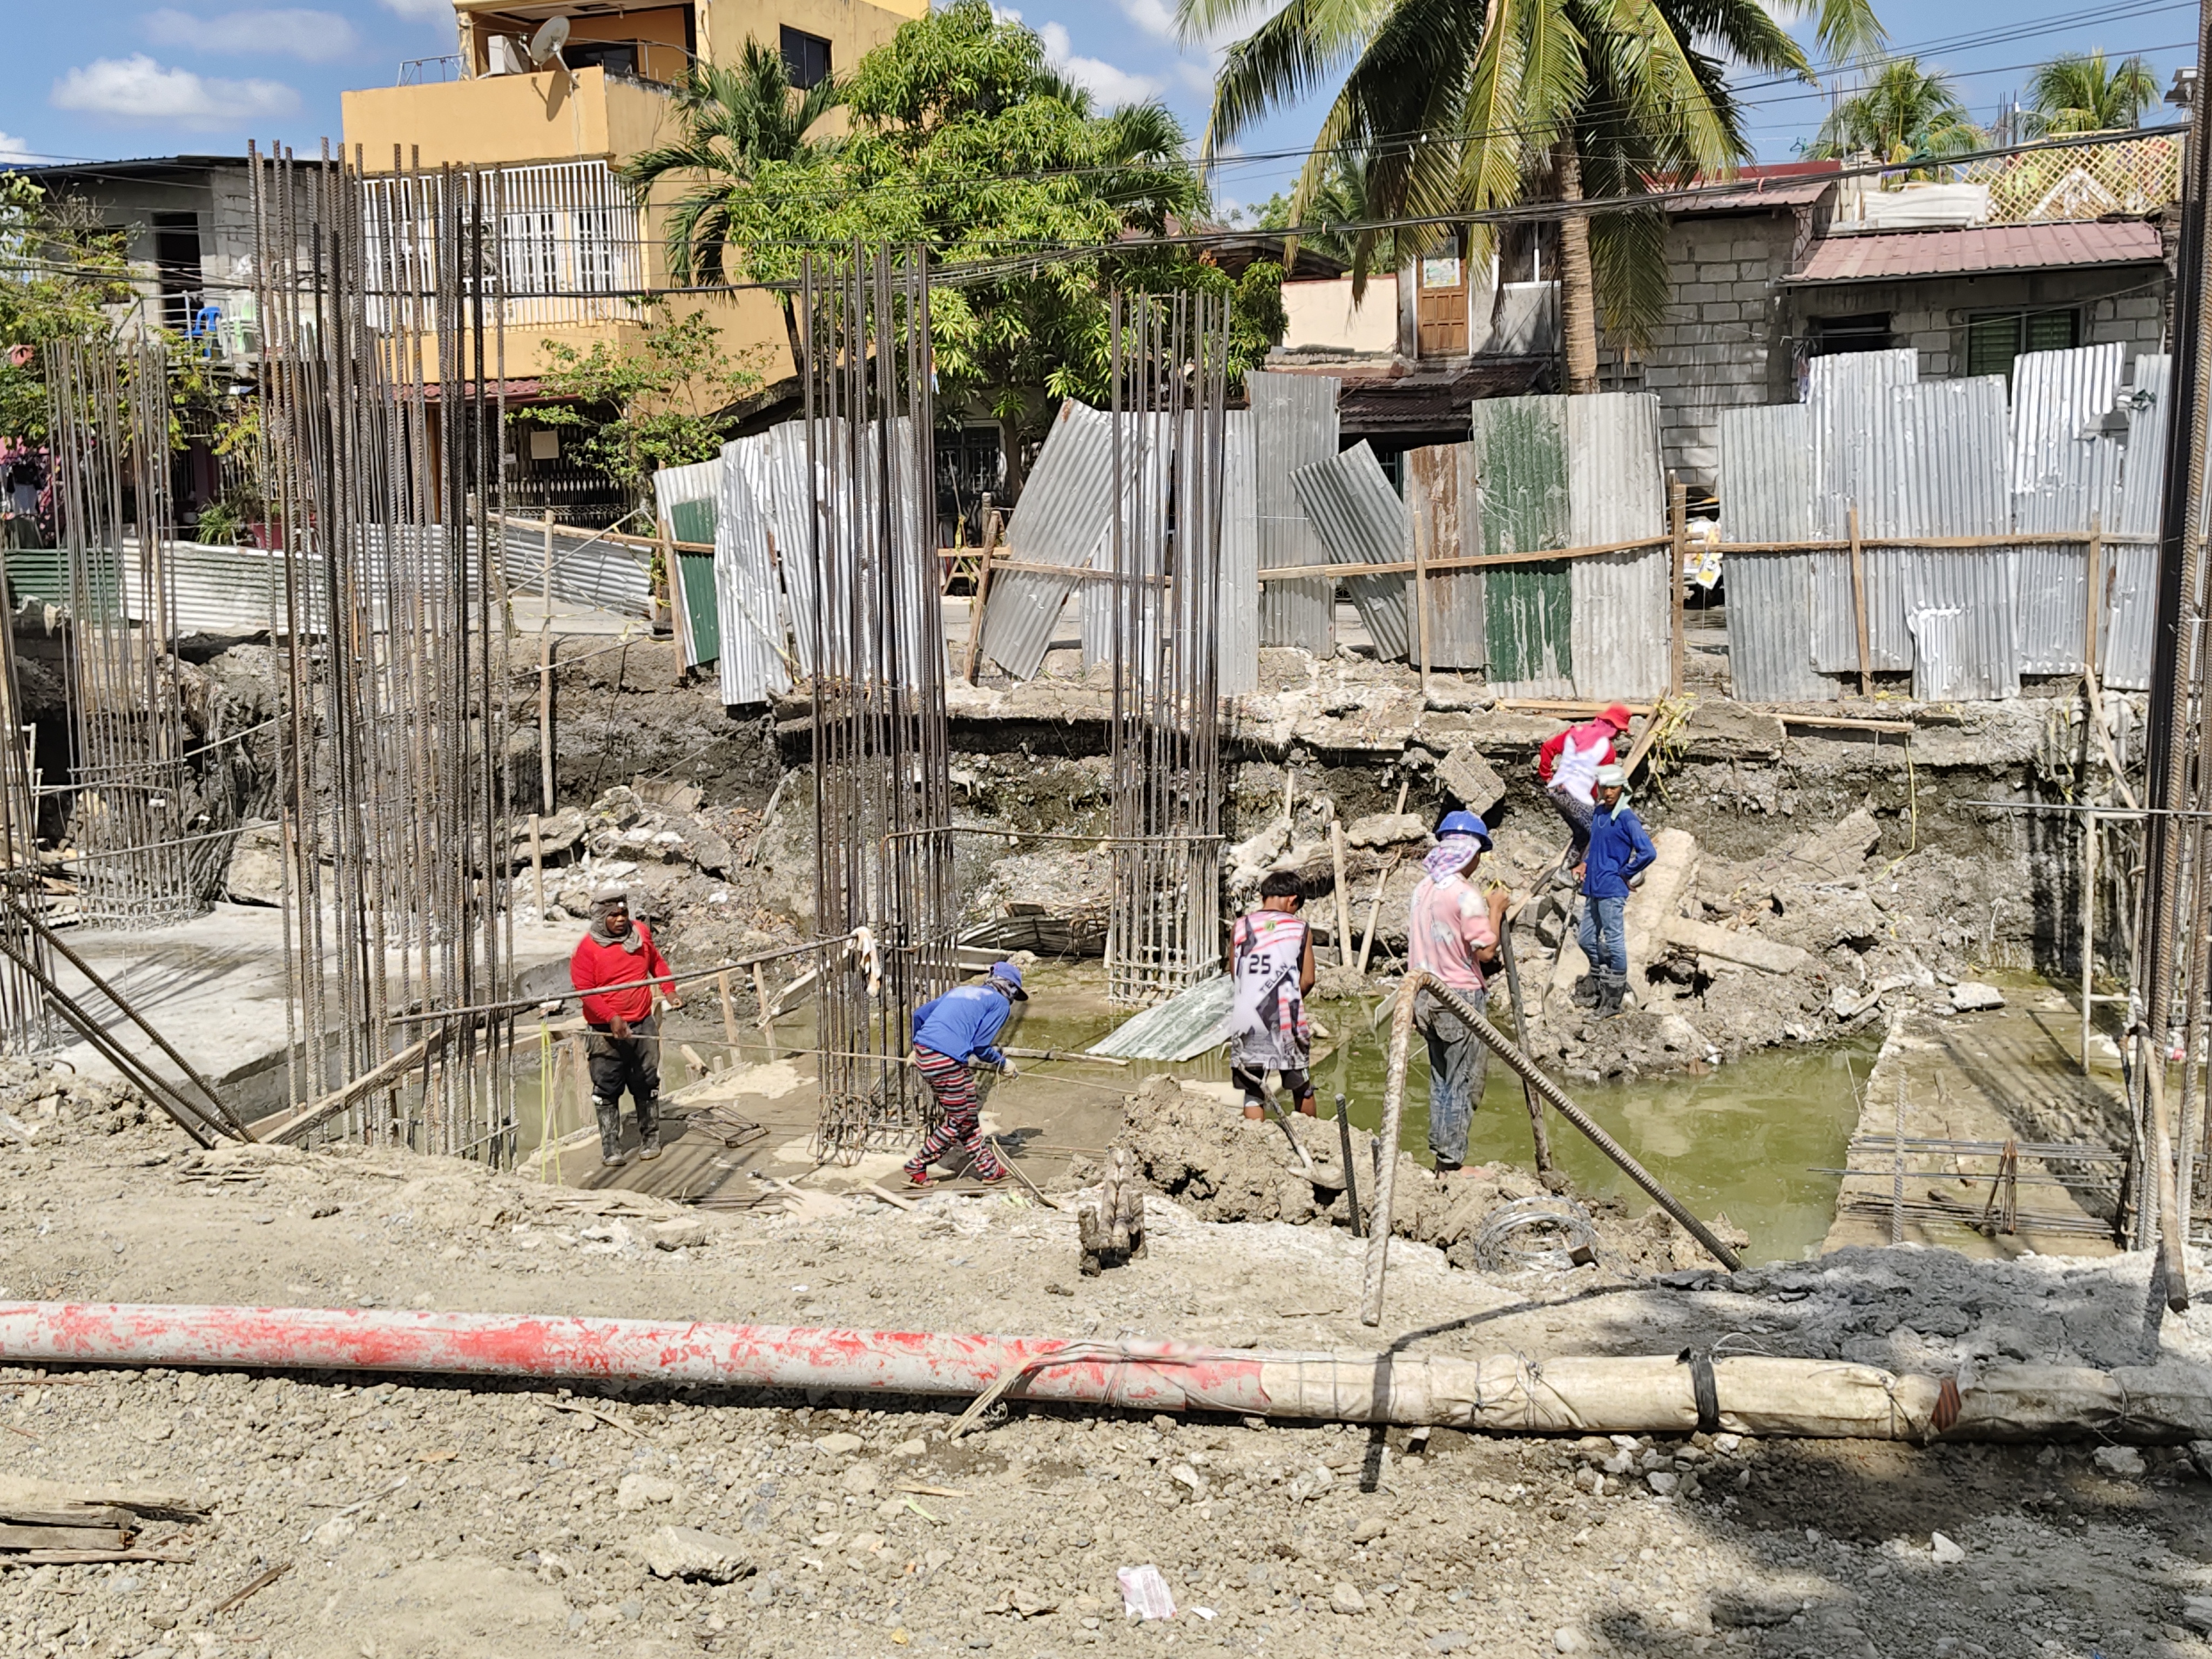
x: 42, y: 574
x: 700, y: 610
x: 692, y: 521
x: 1521, y: 470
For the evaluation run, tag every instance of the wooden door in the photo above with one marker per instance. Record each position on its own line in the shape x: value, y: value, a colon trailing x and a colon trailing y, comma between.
x: 1440, y: 302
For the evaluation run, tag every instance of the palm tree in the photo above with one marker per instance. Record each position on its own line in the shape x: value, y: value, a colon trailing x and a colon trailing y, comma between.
x: 2078, y: 92
x: 729, y: 121
x: 1455, y: 107
x: 1907, y: 114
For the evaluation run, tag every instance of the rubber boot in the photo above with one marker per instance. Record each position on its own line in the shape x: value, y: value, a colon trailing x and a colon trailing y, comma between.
x: 1611, y: 987
x: 609, y: 1115
x: 1586, y: 991
x: 648, y: 1128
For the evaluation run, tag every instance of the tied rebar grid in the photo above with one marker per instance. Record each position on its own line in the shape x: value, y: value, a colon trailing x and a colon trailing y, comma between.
x: 882, y: 791
x: 1169, y: 361
x: 383, y: 387
x: 115, y: 512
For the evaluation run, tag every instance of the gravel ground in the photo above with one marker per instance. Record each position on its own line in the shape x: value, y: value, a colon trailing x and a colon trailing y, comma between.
x: 424, y: 1517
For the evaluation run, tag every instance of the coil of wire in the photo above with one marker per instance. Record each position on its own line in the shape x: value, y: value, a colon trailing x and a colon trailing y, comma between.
x: 1542, y: 1233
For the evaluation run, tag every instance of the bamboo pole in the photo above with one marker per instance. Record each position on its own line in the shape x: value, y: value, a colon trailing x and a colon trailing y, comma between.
x: 1343, y: 904
x: 2089, y: 932
x: 729, y: 1009
x: 1859, y: 606
x: 537, y: 861
x: 1678, y: 512
x: 1421, y: 599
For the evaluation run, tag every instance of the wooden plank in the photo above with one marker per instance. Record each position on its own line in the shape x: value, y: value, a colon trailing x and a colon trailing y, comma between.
x: 1843, y: 724
x: 299, y: 1122
x: 1567, y: 705
x: 1859, y: 606
x: 104, y: 1515
x: 89, y: 1558
x: 1465, y: 561
x: 63, y: 1538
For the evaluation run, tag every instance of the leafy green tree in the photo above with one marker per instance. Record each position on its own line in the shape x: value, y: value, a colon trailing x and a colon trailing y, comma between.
x: 59, y: 270
x: 1905, y: 114
x: 1453, y: 107
x: 2080, y: 91
x: 1031, y: 203
x: 729, y: 122
x: 665, y: 401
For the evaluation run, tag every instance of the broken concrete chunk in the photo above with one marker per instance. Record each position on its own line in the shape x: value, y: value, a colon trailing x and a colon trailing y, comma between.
x: 1971, y: 996
x: 1467, y: 777
x: 689, y: 1553
x: 636, y: 1491
x: 839, y: 1445
x: 2196, y: 1613
x: 859, y: 1478
x: 1948, y: 1554
x: 255, y: 875
x: 1369, y: 1530
x: 1346, y: 1599
x: 1679, y: 1035
x: 684, y: 1232
x: 2121, y: 1462
x: 1387, y: 829
x: 1770, y: 955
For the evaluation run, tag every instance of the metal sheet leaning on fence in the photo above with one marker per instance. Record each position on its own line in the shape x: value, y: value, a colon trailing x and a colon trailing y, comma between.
x: 1393, y: 1106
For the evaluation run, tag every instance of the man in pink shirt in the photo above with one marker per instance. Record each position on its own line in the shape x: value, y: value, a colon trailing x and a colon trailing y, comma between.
x: 1452, y: 932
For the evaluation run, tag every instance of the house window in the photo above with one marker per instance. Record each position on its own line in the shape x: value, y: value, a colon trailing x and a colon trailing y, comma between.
x: 805, y: 59
x: 177, y: 265
x: 1869, y: 331
x: 1994, y: 338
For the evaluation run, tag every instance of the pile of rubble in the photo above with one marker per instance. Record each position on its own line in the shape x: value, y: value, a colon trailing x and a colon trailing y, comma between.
x: 1209, y: 1158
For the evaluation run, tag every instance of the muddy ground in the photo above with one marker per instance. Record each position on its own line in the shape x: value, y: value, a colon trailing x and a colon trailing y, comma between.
x: 420, y: 1517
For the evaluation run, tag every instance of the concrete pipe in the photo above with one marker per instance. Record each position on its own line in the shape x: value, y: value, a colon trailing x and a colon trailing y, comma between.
x: 1500, y: 1393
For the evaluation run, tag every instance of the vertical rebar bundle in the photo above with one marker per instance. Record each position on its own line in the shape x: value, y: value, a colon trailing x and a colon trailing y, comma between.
x: 115, y: 514
x: 882, y: 791
x: 1169, y: 367
x: 383, y: 388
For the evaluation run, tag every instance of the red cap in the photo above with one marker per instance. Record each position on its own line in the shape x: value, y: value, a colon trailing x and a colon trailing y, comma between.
x: 1617, y: 716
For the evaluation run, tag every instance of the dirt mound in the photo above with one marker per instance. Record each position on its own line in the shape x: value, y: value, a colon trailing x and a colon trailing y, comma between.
x: 1208, y: 1157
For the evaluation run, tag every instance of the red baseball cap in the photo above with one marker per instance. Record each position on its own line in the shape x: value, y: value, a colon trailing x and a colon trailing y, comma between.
x: 1617, y: 716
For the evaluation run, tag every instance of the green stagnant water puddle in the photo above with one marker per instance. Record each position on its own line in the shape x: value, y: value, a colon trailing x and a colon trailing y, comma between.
x: 1744, y: 1139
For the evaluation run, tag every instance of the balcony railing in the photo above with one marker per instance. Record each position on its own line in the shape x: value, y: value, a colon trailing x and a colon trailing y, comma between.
x: 2080, y: 181
x: 422, y: 71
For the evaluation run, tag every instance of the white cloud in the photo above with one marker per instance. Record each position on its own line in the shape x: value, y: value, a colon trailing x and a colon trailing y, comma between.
x: 316, y: 36
x: 421, y: 8
x: 1105, y: 82
x: 1153, y: 16
x: 137, y: 88
x: 13, y: 148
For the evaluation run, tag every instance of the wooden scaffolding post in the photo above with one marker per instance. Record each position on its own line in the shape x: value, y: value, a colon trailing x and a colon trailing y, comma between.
x: 537, y: 861
x: 1859, y: 607
x: 1343, y: 900
x: 2092, y: 611
x: 991, y: 523
x: 1420, y: 528
x: 1678, y: 521
x: 2088, y: 934
x: 729, y: 1012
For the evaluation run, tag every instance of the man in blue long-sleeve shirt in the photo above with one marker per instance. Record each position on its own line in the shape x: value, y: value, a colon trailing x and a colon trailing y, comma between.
x: 949, y: 1031
x: 1619, y: 851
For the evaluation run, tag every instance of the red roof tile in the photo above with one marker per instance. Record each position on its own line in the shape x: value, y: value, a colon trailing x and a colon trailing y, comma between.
x: 1879, y: 256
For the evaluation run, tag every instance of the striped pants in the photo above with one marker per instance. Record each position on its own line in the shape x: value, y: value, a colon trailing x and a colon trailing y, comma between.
x: 955, y: 1089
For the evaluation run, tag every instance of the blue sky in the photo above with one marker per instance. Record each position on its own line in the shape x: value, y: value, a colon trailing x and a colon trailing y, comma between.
x: 102, y: 79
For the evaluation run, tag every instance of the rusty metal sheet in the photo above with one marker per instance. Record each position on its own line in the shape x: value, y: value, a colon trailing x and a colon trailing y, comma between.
x: 1440, y: 494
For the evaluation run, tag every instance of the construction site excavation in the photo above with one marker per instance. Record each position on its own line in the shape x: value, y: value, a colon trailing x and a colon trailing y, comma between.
x: 1258, y: 1045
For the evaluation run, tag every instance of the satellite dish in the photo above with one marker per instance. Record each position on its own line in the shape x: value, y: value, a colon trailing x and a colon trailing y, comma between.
x: 545, y: 45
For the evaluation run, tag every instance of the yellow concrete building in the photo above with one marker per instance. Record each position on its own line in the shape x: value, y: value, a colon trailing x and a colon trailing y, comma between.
x: 573, y: 244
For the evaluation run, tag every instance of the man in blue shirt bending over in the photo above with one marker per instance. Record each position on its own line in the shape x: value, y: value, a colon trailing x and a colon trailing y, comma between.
x: 948, y: 1032
x: 1619, y: 851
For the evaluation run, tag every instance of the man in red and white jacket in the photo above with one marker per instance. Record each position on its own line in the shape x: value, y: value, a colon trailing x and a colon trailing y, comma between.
x: 1567, y: 768
x: 624, y: 1046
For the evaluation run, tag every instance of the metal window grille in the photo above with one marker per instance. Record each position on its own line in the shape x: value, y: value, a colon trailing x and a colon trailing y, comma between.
x: 571, y: 242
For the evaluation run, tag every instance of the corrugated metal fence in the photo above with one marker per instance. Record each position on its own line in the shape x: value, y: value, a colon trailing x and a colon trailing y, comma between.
x: 2076, y: 445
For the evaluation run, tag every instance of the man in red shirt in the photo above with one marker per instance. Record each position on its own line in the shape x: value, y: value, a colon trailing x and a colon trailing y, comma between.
x: 624, y: 1046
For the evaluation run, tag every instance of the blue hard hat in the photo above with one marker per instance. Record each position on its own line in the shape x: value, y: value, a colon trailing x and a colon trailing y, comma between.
x: 1463, y: 824
x: 1010, y: 980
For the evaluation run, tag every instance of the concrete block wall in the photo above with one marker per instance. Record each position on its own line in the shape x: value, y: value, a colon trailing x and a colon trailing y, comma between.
x: 1722, y: 342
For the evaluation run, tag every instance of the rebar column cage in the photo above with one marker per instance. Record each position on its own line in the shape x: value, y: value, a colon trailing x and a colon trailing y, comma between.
x: 383, y: 387
x: 1169, y: 359
x: 882, y: 792
x: 115, y: 514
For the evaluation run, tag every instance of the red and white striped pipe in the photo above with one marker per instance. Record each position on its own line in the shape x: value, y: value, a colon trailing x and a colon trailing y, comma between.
x: 1497, y: 1394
